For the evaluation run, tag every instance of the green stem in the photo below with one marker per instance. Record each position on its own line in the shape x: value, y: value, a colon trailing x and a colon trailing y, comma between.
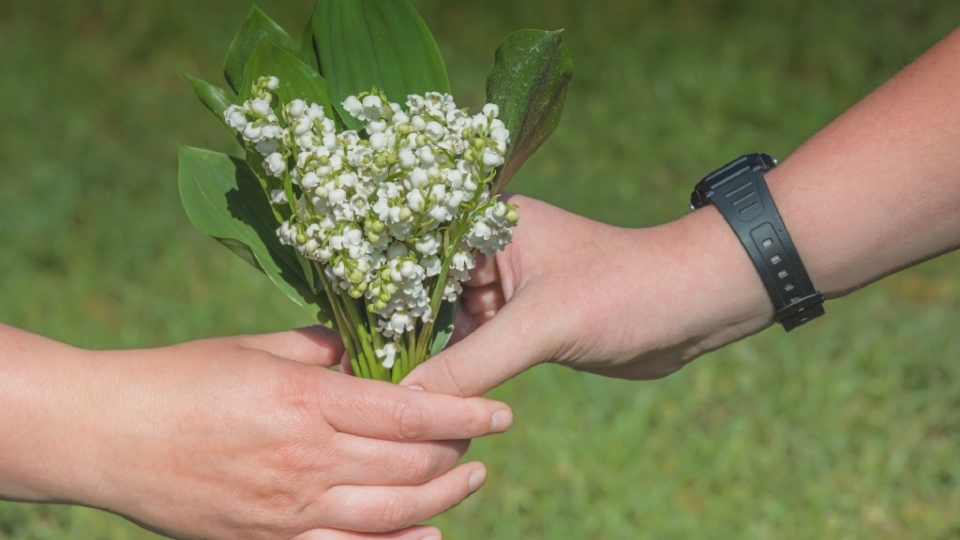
x: 399, y: 371
x: 414, y: 358
x: 373, y: 366
x: 347, y: 330
x: 288, y: 189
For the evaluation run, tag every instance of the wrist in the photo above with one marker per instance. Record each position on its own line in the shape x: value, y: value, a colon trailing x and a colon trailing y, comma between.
x: 723, y: 295
x: 40, y: 394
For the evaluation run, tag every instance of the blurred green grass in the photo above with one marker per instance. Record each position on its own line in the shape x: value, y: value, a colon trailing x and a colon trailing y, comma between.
x: 849, y: 428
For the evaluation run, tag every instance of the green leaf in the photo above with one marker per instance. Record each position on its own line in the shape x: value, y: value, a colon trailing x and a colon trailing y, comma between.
x: 213, y: 97
x: 258, y: 27
x: 306, y: 46
x: 529, y: 81
x: 297, y: 79
x: 382, y: 43
x: 224, y: 199
x: 442, y: 328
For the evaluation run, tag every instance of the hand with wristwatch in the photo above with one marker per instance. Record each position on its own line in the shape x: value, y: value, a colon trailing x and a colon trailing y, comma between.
x: 875, y: 191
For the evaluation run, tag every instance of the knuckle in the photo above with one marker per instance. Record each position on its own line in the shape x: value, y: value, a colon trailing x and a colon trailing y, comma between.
x: 410, y: 419
x: 473, y: 420
x: 395, y: 512
x: 420, y: 464
x: 300, y: 396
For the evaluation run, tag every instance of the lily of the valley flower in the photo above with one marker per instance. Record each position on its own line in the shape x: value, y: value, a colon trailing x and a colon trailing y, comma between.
x: 390, y: 214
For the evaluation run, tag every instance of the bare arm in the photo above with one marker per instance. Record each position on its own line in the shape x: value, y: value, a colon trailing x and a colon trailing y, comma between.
x: 875, y: 191
x: 234, y: 438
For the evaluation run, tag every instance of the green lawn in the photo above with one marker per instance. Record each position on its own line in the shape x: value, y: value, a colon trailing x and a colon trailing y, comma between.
x: 848, y: 428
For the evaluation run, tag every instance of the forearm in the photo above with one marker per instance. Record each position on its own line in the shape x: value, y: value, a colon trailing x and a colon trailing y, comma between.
x: 38, y: 420
x: 875, y: 191
x: 878, y: 189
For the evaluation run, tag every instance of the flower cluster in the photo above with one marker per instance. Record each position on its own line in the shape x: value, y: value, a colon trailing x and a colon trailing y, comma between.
x: 392, y: 214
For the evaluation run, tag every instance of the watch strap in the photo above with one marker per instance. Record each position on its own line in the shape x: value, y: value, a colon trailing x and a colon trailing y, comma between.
x: 740, y: 193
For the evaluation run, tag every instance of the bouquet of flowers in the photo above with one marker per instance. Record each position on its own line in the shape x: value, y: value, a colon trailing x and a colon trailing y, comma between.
x: 365, y: 192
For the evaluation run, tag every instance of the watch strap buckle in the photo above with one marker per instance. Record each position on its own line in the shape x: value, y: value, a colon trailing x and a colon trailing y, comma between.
x: 800, y: 311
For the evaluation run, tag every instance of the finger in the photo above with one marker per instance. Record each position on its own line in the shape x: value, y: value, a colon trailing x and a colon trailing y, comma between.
x: 382, y: 509
x: 484, y: 299
x: 368, y: 462
x: 464, y: 324
x: 384, y: 411
x: 492, y: 354
x: 315, y: 345
x: 345, y: 366
x: 484, y: 272
x: 413, y: 533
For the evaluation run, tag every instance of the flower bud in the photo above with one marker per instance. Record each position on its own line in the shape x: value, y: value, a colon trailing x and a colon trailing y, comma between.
x: 301, y: 238
x: 512, y: 216
x: 405, y: 213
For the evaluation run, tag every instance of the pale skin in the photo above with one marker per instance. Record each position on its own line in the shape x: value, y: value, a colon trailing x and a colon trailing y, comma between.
x: 249, y: 437
x: 877, y: 190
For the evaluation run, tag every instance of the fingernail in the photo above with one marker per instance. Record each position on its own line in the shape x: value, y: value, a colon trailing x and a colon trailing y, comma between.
x: 415, y: 387
x: 433, y: 537
x: 501, y: 421
x: 476, y: 479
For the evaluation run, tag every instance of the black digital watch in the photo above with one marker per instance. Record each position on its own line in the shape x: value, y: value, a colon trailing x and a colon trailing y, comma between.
x: 740, y: 193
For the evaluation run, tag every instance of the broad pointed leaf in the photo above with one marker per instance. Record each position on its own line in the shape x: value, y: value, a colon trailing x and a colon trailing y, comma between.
x: 529, y: 81
x: 306, y: 46
x: 256, y: 28
x: 224, y: 199
x: 382, y: 43
x: 297, y: 79
x: 442, y: 328
x: 213, y: 97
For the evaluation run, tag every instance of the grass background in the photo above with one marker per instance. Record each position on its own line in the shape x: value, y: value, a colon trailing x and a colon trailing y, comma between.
x: 848, y: 428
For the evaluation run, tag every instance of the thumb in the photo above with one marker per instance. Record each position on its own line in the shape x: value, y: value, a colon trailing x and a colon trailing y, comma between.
x: 500, y: 349
x: 315, y: 345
